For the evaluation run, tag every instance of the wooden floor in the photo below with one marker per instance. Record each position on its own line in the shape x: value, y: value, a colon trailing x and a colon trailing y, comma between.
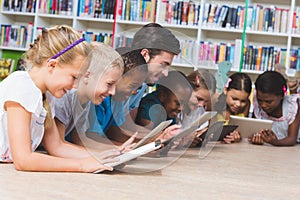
x: 235, y: 171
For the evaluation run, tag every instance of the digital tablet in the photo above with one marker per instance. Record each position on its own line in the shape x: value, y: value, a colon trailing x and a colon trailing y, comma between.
x: 218, y: 131
x: 152, y: 134
x: 123, y: 158
x: 201, y: 119
x: 248, y: 126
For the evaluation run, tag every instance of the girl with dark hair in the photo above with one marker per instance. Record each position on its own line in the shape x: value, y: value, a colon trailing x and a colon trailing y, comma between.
x: 271, y: 102
x: 234, y: 101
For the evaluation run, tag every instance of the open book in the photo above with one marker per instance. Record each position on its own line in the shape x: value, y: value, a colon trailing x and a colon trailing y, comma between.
x: 123, y: 158
x: 141, y: 148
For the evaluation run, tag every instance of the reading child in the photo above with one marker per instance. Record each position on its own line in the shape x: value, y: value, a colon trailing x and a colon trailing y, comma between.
x: 97, y: 84
x: 111, y: 110
x: 172, y: 94
x: 204, y: 88
x: 272, y: 103
x: 26, y: 110
x: 234, y: 101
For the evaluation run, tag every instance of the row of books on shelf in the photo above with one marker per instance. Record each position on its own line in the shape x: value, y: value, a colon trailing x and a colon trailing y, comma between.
x: 16, y: 35
x: 86, y: 8
x: 58, y: 7
x: 188, y: 52
x: 19, y: 5
x: 99, y: 37
x: 264, y: 58
x: 216, y: 52
x: 96, y: 9
x: 259, y: 18
x: 122, y: 41
x: 223, y: 16
x: 179, y: 12
x: 270, y: 19
x: 20, y: 36
x: 259, y: 58
x: 137, y: 10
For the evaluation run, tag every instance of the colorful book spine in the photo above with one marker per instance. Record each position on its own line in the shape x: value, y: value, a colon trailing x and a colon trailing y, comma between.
x: 284, y: 18
x: 293, y: 58
x: 237, y: 54
x: 298, y: 60
x: 258, y: 59
x: 29, y: 34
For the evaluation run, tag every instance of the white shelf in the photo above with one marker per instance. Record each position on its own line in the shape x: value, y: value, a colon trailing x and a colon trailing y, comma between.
x: 95, y: 19
x: 264, y: 33
x: 55, y: 16
x: 13, y: 48
x: 138, y: 23
x: 178, y: 64
x: 17, y: 13
x: 255, y: 72
x: 215, y: 68
x: 296, y: 35
x: 178, y: 26
x: 218, y: 29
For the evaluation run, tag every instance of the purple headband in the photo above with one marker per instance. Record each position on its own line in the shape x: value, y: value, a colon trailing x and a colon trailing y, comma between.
x: 67, y: 48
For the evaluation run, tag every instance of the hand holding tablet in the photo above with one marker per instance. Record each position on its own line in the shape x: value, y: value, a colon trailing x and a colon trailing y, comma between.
x: 248, y: 126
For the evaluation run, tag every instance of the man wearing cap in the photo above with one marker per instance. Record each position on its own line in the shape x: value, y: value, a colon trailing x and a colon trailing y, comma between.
x: 158, y: 46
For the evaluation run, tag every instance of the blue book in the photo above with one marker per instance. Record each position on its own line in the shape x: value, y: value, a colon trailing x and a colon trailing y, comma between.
x: 238, y: 16
x: 266, y: 19
x: 232, y: 49
x: 266, y: 61
x: 124, y: 3
x: 298, y: 60
x: 223, y: 16
x: 254, y: 58
x: 263, y: 58
x: 217, y: 14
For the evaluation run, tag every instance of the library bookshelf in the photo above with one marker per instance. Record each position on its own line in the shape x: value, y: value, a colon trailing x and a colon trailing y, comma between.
x: 21, y: 21
x: 253, y: 35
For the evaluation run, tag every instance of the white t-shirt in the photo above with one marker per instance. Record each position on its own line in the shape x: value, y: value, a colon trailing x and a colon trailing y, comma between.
x: 19, y: 87
x: 73, y: 115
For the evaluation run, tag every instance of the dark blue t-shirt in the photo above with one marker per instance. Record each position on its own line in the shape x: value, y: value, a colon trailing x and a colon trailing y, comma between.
x: 151, y: 108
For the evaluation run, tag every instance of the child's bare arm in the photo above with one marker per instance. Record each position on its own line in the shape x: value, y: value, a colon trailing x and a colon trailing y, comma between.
x: 56, y: 145
x: 291, y: 139
x: 27, y: 160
